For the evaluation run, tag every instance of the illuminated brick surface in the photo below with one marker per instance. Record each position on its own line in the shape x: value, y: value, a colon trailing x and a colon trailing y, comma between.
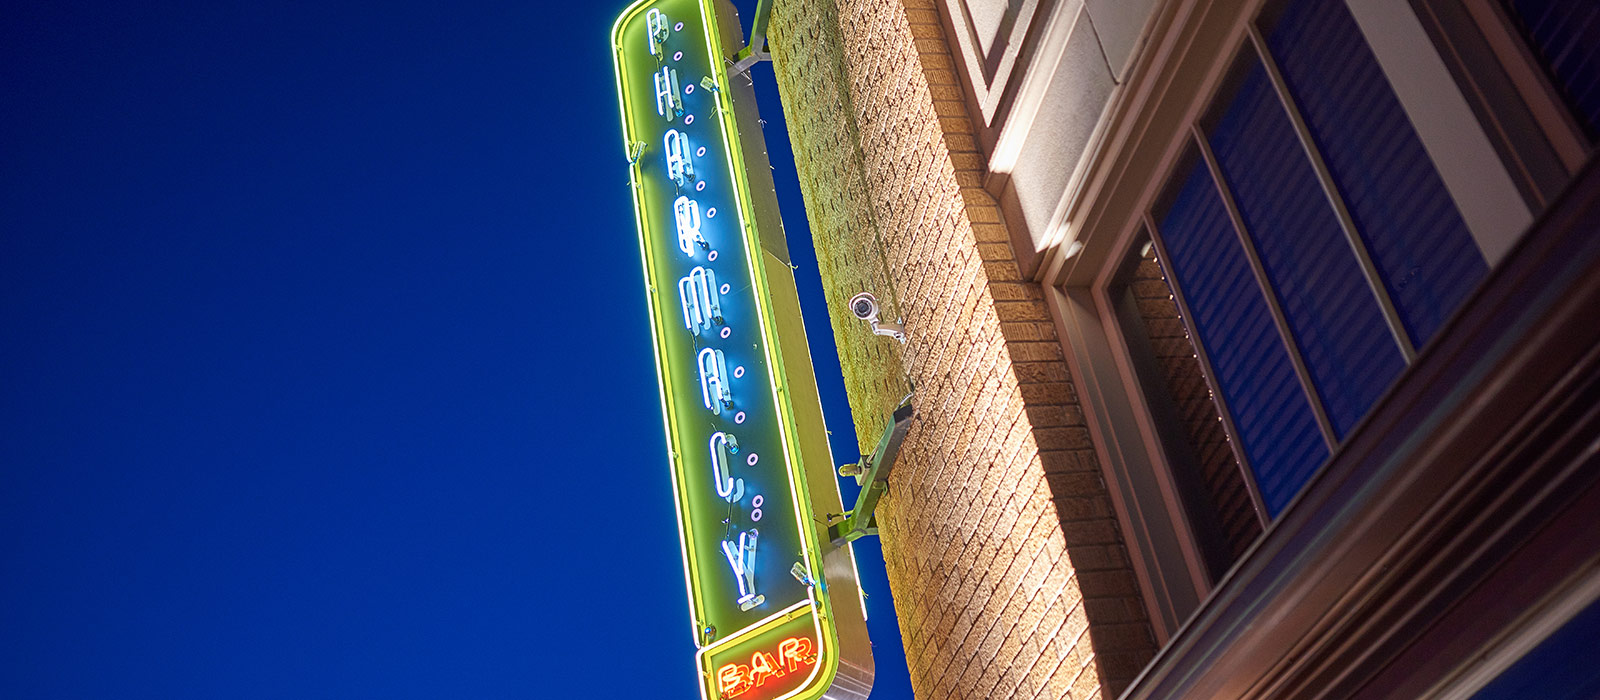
x: 1008, y: 571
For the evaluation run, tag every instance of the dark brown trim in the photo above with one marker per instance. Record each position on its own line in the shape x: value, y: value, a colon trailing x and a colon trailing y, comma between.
x: 1497, y: 603
x: 1479, y: 448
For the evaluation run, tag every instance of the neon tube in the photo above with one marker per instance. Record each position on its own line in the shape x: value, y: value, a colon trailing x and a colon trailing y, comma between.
x: 714, y: 391
x: 729, y: 488
x: 667, y: 97
x: 742, y: 559
x: 686, y: 214
x: 701, y: 301
x: 655, y: 25
x: 680, y: 165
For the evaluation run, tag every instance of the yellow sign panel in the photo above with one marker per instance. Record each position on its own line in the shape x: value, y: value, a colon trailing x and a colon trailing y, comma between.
x: 749, y: 456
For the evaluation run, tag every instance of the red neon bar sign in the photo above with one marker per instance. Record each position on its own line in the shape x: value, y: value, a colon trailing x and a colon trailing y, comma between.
x: 793, y: 654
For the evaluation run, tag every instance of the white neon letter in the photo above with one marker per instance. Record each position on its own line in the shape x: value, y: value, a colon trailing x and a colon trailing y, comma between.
x: 729, y: 488
x: 742, y: 559
x: 714, y: 380
x: 701, y: 301
x: 687, y: 213
x: 655, y: 24
x: 669, y: 103
x: 680, y: 165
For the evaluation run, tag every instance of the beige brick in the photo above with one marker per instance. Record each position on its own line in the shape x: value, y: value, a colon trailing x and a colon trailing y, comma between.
x: 1067, y: 461
x: 985, y: 232
x: 1092, y: 532
x: 1034, y: 352
x: 1039, y: 372
x: 931, y: 47
x: 1049, y: 392
x: 998, y: 494
x: 1027, y: 310
x: 1099, y: 558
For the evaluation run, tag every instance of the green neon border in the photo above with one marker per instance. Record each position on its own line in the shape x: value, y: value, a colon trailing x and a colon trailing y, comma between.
x: 708, y: 679
x: 800, y: 497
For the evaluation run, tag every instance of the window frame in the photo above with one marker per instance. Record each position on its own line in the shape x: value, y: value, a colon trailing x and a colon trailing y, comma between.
x: 1509, y: 90
x: 1189, y: 49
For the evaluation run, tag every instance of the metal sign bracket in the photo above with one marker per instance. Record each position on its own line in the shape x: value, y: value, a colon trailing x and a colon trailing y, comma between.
x: 872, y: 473
x: 756, y: 50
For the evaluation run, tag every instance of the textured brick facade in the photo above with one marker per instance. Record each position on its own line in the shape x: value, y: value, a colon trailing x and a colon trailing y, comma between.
x: 1004, y: 555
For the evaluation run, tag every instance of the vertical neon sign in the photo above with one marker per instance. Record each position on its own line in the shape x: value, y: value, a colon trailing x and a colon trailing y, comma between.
x: 759, y: 598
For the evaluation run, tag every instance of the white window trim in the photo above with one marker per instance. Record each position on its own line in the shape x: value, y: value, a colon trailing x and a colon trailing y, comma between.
x: 1457, y: 143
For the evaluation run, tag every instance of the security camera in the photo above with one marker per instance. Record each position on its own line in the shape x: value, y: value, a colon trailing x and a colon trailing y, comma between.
x: 865, y: 307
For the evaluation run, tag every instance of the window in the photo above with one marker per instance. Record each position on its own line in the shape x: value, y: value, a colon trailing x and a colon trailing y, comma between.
x: 1418, y: 242
x: 1307, y: 194
x: 1225, y: 513
x: 1233, y: 320
x: 1312, y: 244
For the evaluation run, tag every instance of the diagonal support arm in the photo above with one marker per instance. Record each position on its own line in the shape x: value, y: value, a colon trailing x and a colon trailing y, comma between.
x: 873, y: 475
x: 756, y: 51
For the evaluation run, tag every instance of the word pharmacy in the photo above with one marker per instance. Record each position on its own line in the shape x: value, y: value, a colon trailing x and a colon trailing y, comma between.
x: 730, y: 357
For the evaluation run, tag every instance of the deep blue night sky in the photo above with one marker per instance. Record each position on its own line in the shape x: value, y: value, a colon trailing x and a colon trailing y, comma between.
x: 324, y: 365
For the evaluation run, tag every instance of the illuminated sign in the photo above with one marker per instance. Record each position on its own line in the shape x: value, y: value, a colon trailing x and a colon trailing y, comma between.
x: 775, y: 607
x: 779, y: 659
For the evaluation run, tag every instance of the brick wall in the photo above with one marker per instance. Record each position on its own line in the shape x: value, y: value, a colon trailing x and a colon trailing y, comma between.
x: 1004, y: 556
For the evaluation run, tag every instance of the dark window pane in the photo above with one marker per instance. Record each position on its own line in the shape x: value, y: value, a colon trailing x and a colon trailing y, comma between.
x: 1412, y: 229
x: 1187, y: 418
x: 1276, y: 428
x: 1566, y: 35
x: 1340, y: 330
